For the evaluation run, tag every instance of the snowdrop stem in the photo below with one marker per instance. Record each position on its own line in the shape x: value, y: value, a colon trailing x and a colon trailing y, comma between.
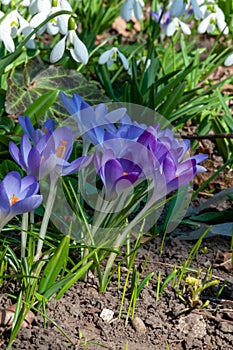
x: 24, y: 234
x: 46, y: 217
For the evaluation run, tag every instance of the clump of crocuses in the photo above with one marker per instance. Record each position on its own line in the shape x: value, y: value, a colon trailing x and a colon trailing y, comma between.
x: 128, y: 152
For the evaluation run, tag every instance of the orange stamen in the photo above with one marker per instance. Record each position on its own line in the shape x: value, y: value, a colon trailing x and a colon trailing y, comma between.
x: 61, y: 149
x: 125, y: 173
x: 13, y: 199
x: 45, y: 130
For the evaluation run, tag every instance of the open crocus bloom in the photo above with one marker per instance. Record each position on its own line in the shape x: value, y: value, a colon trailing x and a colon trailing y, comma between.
x: 170, y: 154
x: 49, y: 156
x: 116, y: 174
x: 18, y: 195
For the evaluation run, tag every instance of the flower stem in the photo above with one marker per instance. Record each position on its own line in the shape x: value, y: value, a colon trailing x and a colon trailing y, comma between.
x: 24, y: 235
x: 46, y: 217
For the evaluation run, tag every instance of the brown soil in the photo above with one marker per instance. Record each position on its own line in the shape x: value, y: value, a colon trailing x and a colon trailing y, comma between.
x: 165, y: 321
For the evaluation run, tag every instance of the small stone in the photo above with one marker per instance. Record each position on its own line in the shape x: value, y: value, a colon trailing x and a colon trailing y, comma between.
x: 107, y: 315
x: 93, y: 290
x: 194, y: 325
x: 139, y: 325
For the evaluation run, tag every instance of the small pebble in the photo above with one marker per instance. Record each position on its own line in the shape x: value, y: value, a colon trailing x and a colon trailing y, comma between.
x: 139, y: 325
x: 107, y: 315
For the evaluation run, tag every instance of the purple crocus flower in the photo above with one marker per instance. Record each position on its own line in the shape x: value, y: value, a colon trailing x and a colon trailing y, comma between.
x: 49, y: 156
x: 117, y: 174
x: 163, y: 18
x: 35, y: 135
x: 18, y: 195
x: 91, y: 122
x: 169, y: 153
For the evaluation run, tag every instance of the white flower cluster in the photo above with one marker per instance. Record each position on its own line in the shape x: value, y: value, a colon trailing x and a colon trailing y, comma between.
x: 207, y: 12
x: 29, y: 14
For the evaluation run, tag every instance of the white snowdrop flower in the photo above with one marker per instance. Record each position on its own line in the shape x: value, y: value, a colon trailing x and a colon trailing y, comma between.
x: 178, y: 8
x: 198, y: 14
x: 176, y: 24
x: 37, y: 6
x: 71, y: 42
x: 11, y: 26
x: 229, y: 60
x: 132, y: 8
x: 6, y: 38
x: 110, y: 56
x: 25, y: 3
x: 213, y: 16
x: 45, y: 8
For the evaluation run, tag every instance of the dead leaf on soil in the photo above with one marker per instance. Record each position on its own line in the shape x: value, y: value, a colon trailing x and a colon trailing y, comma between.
x: 7, y: 316
x: 120, y: 25
x: 224, y: 259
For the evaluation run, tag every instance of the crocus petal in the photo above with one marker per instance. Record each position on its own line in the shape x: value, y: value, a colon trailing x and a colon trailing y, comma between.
x: 29, y: 186
x: 14, y: 152
x: 26, y: 124
x: 48, y: 125
x: 34, y: 162
x: 76, y: 165
x: 11, y: 183
x: 4, y: 203
x: 75, y: 104
x: 58, y: 51
x: 111, y: 172
x: 26, y: 205
x: 25, y: 147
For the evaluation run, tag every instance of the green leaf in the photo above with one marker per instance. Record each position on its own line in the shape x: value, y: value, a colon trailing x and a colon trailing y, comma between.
x: 21, y: 95
x: 172, y: 100
x: 39, y: 108
x: 6, y: 124
x: 222, y: 144
x: 8, y: 165
x: 75, y: 277
x: 144, y: 282
x: 54, y: 265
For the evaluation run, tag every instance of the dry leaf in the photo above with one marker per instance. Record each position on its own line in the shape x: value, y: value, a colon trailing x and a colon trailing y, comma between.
x: 120, y: 26
x: 7, y: 316
x: 224, y: 259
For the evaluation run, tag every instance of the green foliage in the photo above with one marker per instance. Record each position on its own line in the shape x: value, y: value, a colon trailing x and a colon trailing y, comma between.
x: 34, y: 91
x: 172, y: 76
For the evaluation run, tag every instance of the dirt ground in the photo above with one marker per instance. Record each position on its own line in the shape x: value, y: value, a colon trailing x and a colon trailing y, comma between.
x: 166, y: 323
